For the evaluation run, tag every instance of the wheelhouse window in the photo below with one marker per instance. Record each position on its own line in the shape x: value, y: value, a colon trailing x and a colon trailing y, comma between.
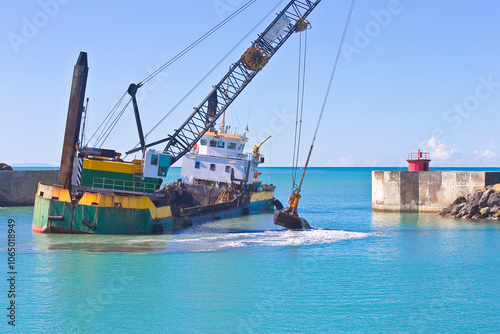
x: 228, y: 169
x: 203, y: 142
x: 154, y: 159
x: 163, y: 165
x: 231, y: 146
x: 220, y: 144
x: 212, y: 167
x: 197, y: 164
x: 213, y: 143
x: 162, y: 171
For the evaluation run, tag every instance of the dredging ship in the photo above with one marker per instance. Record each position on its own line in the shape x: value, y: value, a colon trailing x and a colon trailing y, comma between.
x: 99, y: 193
x: 111, y: 196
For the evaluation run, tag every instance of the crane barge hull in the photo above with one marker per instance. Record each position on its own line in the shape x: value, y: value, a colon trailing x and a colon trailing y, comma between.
x: 56, y: 211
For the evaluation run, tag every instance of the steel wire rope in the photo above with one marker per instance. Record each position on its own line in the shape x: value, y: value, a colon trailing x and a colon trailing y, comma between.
x: 296, y: 115
x: 302, y: 98
x: 110, y: 115
x: 270, y: 160
x: 235, y: 116
x: 195, y: 43
x: 163, y: 67
x: 332, y: 75
x: 301, y: 79
x: 112, y: 126
x: 109, y: 126
x: 327, y: 93
x: 211, y: 71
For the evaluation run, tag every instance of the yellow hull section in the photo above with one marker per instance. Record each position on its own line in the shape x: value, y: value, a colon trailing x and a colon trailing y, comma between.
x: 108, y: 166
x: 125, y: 202
x: 261, y: 196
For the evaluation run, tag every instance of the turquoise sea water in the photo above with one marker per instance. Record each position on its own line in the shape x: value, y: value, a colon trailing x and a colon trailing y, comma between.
x: 358, y: 272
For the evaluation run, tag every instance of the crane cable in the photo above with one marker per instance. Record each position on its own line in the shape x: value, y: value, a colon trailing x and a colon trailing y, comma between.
x: 270, y: 160
x: 107, y: 125
x: 105, y: 122
x: 103, y: 139
x: 195, y: 43
x: 327, y: 92
x: 214, y: 68
x: 211, y: 71
x: 301, y: 79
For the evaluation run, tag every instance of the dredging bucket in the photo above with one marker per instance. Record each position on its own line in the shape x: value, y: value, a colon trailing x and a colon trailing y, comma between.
x: 290, y: 221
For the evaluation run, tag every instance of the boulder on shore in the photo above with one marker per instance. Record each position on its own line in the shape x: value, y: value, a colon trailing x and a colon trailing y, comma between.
x: 483, y: 203
x: 4, y: 166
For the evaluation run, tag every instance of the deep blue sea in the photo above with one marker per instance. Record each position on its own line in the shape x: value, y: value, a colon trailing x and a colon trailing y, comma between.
x: 358, y: 271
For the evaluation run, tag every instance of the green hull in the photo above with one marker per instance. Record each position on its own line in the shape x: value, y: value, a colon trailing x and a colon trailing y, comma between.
x: 45, y: 208
x: 101, y: 220
x: 56, y: 216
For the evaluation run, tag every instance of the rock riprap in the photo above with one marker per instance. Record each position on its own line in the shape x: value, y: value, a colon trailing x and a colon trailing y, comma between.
x: 484, y: 203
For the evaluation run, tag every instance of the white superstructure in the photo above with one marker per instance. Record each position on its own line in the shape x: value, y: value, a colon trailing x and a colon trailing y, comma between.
x: 214, y: 157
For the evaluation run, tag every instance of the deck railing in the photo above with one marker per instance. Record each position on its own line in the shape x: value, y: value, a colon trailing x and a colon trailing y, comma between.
x: 239, y: 156
x: 419, y: 156
x: 123, y: 185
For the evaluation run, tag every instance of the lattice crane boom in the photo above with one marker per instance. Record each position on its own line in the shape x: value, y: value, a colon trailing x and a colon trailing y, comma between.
x: 291, y: 19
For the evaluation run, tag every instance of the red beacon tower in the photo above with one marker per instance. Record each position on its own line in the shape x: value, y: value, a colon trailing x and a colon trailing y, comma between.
x: 418, y: 161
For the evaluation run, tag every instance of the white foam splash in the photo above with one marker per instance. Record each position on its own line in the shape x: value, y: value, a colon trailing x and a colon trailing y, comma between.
x: 267, y: 238
x: 199, y: 242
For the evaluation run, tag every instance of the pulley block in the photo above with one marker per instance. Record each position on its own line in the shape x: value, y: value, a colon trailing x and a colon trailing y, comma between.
x: 302, y: 24
x: 255, y: 58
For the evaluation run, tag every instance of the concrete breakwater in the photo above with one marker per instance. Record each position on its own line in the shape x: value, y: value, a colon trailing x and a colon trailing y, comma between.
x: 18, y: 187
x: 429, y: 191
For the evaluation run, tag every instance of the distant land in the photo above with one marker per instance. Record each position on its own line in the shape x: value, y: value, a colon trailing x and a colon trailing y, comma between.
x: 31, y: 164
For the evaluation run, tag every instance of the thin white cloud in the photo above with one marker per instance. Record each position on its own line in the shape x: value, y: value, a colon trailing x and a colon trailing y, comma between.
x: 341, y: 162
x: 372, y: 162
x: 488, y: 154
x: 440, y: 151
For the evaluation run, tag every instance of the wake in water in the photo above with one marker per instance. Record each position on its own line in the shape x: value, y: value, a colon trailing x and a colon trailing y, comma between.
x: 267, y: 238
x: 195, y: 242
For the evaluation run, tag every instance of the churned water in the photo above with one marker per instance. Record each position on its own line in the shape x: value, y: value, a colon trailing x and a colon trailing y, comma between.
x: 357, y: 272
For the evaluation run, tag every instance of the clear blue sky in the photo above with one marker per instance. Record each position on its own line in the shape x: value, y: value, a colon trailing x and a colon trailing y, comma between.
x: 414, y: 74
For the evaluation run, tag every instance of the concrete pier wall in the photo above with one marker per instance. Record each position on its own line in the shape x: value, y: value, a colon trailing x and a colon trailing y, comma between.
x: 429, y: 191
x: 18, y: 187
